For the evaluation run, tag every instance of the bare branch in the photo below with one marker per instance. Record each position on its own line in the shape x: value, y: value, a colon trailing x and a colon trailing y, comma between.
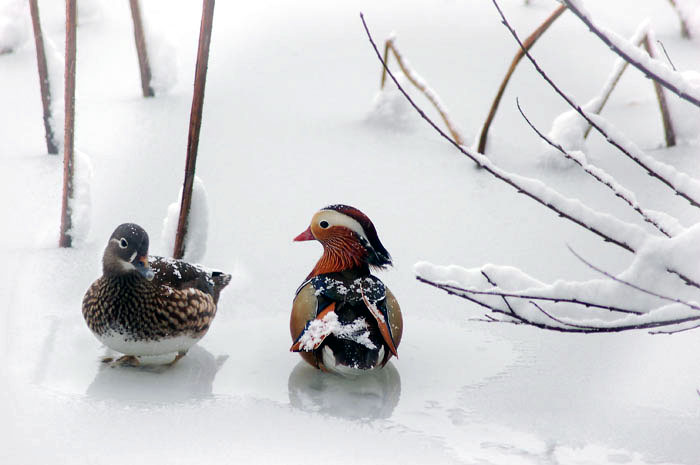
x: 634, y: 62
x: 595, y: 174
x: 503, y: 176
x: 668, y: 58
x: 628, y: 152
x: 529, y: 42
x: 491, y: 282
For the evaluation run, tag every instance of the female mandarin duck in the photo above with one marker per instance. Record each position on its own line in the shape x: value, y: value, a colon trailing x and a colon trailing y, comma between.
x: 344, y: 319
x: 141, y: 308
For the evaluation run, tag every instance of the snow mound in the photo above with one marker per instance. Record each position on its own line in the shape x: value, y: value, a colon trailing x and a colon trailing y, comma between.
x: 390, y: 109
x: 197, y: 224
x: 14, y: 25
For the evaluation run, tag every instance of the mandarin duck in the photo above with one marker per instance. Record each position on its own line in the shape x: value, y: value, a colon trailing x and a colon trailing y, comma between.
x: 145, y: 306
x: 344, y: 319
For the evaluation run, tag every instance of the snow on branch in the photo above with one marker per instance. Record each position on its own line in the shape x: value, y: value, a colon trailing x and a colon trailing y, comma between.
x: 682, y: 184
x: 608, y: 181
x: 654, y: 69
x: 601, y: 305
x: 611, y: 229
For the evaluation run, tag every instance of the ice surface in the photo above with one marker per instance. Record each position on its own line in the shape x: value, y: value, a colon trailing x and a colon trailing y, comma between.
x: 286, y: 132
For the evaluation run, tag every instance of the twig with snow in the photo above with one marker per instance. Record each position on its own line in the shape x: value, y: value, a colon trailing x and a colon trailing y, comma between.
x: 562, y: 325
x: 610, y: 229
x: 531, y: 297
x: 672, y: 80
x: 599, y: 175
x: 420, y: 84
x: 661, y: 171
x: 632, y: 285
x: 529, y: 42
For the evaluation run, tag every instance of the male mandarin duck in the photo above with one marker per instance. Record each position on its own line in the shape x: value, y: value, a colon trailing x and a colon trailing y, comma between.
x: 344, y: 319
x: 139, y: 308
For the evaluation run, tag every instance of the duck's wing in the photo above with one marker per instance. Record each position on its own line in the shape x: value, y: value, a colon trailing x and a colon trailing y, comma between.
x: 315, y: 297
x: 178, y: 274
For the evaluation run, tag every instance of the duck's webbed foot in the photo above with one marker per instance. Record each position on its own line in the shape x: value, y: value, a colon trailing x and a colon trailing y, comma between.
x: 179, y: 355
x: 127, y: 360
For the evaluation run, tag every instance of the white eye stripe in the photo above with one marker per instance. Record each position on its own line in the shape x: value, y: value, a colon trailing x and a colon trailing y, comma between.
x: 335, y: 218
x: 133, y: 255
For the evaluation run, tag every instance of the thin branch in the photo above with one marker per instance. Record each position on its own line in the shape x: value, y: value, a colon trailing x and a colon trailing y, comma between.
x: 661, y: 44
x: 141, y: 49
x: 420, y: 84
x: 597, y: 176
x: 65, y: 238
x: 51, y: 145
x: 674, y: 331
x: 491, y: 282
x: 529, y: 42
x: 585, y: 115
x: 633, y: 286
x: 200, y: 80
x: 483, y: 162
x: 637, y: 64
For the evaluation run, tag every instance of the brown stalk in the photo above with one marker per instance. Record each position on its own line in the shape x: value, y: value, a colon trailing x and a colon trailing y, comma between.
x: 44, y: 86
x: 200, y: 79
x: 527, y: 44
x: 685, y: 31
x: 390, y: 46
x: 647, y: 72
x: 669, y: 133
x: 65, y: 238
x: 141, y: 50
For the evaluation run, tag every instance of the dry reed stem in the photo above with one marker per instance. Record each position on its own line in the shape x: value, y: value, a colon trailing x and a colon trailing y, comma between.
x: 65, y: 239
x: 390, y: 46
x: 141, y: 50
x: 44, y: 86
x: 528, y: 43
x: 200, y: 79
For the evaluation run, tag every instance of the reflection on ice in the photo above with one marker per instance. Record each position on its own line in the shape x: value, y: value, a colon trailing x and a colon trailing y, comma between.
x: 374, y: 395
x: 190, y: 378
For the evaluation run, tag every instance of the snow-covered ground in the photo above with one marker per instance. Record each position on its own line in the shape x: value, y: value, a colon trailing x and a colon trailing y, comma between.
x: 290, y: 125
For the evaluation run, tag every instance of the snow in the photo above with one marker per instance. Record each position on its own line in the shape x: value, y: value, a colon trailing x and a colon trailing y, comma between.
x: 15, y: 25
x: 197, y: 224
x: 285, y: 132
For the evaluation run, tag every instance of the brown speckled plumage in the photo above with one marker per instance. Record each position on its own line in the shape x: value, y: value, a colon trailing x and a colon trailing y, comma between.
x: 148, y: 300
x: 141, y: 309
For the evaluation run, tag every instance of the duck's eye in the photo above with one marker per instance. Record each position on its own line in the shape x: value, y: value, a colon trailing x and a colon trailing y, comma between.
x: 324, y: 224
x: 123, y: 243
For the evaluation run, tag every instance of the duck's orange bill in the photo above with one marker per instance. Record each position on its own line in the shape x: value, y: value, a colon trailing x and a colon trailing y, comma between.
x: 305, y: 236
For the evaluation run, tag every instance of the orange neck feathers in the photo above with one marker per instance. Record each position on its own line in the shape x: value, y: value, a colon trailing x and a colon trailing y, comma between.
x: 340, y: 252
